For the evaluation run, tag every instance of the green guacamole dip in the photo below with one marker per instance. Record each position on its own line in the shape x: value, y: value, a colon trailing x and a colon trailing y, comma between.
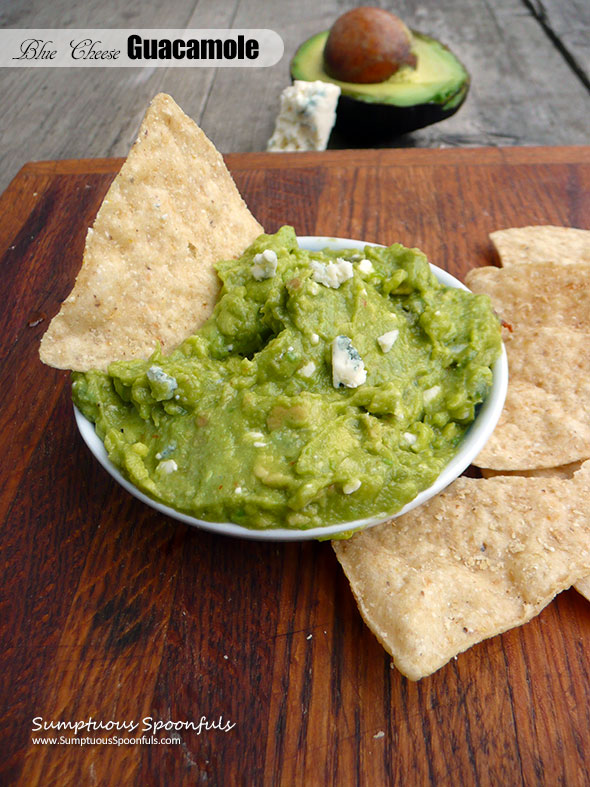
x: 325, y: 387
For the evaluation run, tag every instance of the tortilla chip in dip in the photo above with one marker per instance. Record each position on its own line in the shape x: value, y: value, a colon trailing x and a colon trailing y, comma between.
x: 148, y: 273
x: 480, y: 558
x: 522, y: 245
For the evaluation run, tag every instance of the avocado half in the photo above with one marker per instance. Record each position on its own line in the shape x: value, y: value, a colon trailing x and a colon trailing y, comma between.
x: 410, y: 99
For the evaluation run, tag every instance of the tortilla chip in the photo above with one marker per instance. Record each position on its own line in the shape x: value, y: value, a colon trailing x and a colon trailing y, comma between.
x: 543, y: 294
x: 583, y: 587
x: 563, y: 471
x: 147, y: 275
x: 480, y: 558
x: 546, y: 417
x: 520, y: 245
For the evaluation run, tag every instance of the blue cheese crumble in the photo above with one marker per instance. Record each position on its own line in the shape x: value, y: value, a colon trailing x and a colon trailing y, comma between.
x: 165, y: 452
x: 430, y: 394
x: 348, y: 368
x: 366, y: 266
x: 332, y: 274
x: 163, y: 385
x: 387, y: 340
x: 306, y: 117
x: 167, y: 466
x: 351, y: 486
x: 264, y: 265
x: 307, y: 370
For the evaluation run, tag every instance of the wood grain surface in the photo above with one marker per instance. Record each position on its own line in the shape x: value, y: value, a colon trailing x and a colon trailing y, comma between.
x: 111, y: 611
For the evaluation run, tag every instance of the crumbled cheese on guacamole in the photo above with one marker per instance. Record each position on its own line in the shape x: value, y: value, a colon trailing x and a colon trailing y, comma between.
x: 431, y: 393
x: 163, y: 385
x: 366, y: 266
x: 307, y: 370
x: 333, y: 274
x: 165, y: 452
x: 387, y: 340
x: 348, y: 368
x: 167, y: 466
x: 264, y: 265
x: 351, y: 486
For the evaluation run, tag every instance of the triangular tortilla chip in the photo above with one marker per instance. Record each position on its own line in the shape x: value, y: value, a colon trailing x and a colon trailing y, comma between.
x: 519, y: 245
x: 171, y: 213
x: 546, y: 293
x: 546, y: 417
x: 562, y: 471
x: 480, y: 558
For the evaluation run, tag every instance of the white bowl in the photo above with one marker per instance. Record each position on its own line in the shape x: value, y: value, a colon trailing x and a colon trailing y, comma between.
x: 474, y: 440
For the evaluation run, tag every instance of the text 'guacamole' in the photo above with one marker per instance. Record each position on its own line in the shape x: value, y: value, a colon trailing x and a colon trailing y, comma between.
x: 326, y: 387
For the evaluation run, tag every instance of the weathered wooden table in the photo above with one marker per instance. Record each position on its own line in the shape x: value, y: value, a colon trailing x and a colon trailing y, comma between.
x: 529, y: 62
x: 112, y: 612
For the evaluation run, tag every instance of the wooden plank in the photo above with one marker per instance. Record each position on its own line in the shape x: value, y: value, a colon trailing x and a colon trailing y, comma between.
x: 35, y: 298
x: 45, y: 538
x: 114, y: 612
x: 111, y: 640
x: 567, y: 26
x: 549, y: 709
x: 241, y: 162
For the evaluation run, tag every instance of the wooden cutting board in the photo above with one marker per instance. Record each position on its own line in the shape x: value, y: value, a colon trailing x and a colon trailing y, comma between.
x: 114, y: 612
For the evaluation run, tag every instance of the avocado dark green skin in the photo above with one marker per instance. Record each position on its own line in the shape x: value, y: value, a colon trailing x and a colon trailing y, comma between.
x: 362, y: 123
x: 369, y: 122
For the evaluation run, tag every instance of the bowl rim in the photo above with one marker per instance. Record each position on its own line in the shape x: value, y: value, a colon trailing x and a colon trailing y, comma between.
x: 472, y: 443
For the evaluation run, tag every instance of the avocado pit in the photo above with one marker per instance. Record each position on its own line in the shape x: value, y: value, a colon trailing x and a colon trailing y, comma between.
x: 367, y: 45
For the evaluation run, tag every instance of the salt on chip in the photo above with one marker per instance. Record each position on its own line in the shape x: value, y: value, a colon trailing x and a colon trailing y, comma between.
x: 148, y: 274
x: 546, y: 417
x: 480, y: 558
x: 543, y: 294
x: 563, y: 245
